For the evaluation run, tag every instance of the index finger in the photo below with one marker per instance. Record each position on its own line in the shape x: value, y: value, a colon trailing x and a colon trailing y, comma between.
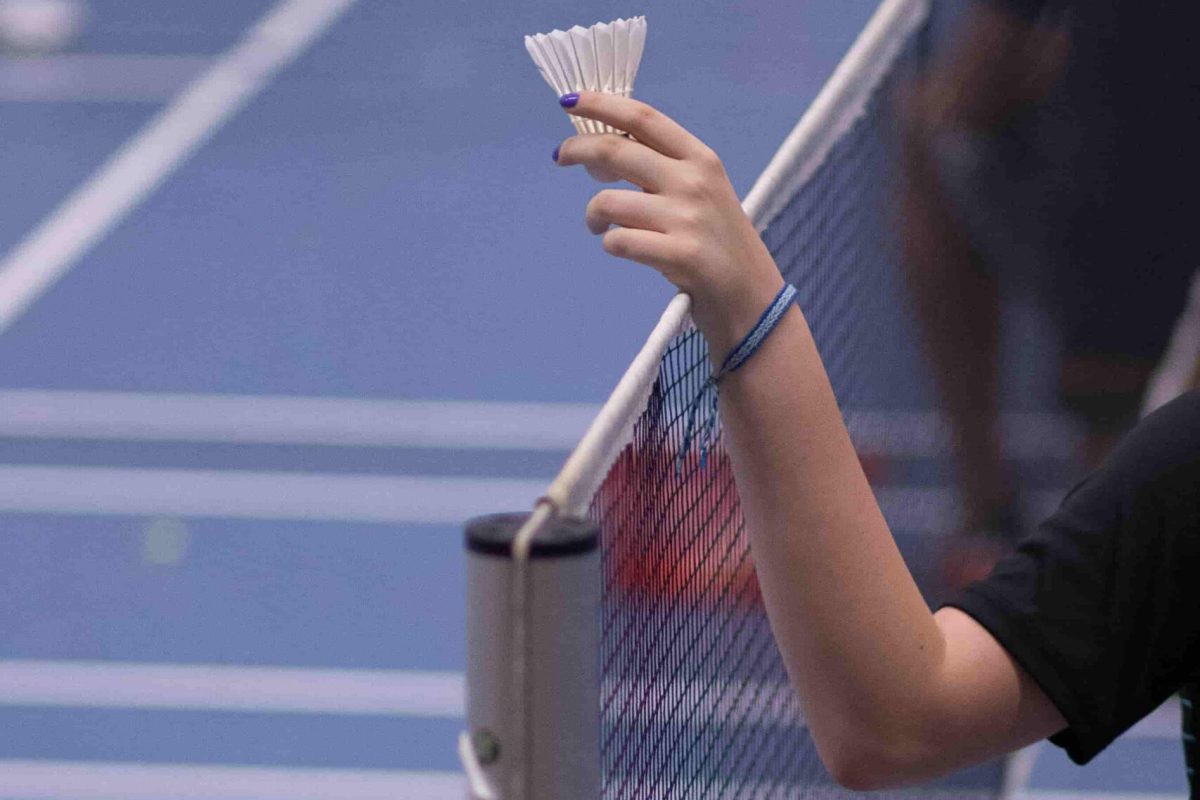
x: 647, y: 124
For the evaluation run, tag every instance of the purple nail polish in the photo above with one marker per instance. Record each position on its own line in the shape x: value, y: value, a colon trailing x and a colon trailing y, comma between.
x: 569, y: 100
x: 554, y: 155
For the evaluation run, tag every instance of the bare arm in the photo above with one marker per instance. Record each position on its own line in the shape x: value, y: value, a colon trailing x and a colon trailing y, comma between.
x: 892, y: 692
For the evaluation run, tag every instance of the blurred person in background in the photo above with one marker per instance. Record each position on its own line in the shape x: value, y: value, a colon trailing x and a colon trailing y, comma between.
x: 1049, y: 152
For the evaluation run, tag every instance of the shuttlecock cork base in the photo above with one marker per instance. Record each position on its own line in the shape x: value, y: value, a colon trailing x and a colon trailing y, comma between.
x: 602, y: 58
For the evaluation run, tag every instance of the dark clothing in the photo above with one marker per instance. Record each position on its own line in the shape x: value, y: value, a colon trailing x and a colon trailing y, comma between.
x: 1089, y: 196
x: 1102, y: 604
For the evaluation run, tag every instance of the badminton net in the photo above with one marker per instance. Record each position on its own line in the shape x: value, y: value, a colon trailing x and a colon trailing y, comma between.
x: 694, y: 701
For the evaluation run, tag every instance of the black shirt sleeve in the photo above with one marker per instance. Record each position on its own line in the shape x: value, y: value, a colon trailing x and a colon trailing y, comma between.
x: 1102, y: 605
x: 1029, y: 9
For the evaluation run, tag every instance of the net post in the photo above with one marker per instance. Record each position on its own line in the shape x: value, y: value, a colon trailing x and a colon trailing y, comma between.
x: 533, y: 652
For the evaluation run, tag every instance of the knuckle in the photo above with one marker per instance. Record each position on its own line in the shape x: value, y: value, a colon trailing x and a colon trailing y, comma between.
x: 709, y: 159
x: 642, y: 114
x: 691, y: 183
x: 689, y: 252
x: 606, y: 147
x: 690, y: 218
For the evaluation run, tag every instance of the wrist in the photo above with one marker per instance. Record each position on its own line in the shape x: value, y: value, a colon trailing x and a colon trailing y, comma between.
x: 703, y: 406
x: 726, y: 318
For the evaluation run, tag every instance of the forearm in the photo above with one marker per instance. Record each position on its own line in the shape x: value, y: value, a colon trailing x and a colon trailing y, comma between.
x: 858, y: 640
x: 889, y: 698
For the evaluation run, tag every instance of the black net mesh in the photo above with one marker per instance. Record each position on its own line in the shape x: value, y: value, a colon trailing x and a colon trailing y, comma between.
x: 696, y: 703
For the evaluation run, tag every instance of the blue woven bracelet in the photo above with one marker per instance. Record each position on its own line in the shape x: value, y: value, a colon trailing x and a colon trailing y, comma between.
x: 707, y: 396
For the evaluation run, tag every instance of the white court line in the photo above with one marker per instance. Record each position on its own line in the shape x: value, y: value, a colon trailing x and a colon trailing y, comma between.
x: 83, y: 780
x: 337, y: 497
x: 293, y: 420
x: 219, y: 687
x: 925, y: 434
x: 1018, y: 768
x: 266, y: 419
x: 244, y: 494
x: 1034, y: 794
x: 145, y: 161
x: 96, y: 77
x: 259, y: 495
x: 1165, y: 722
x: 934, y: 510
x: 399, y: 693
x: 224, y: 687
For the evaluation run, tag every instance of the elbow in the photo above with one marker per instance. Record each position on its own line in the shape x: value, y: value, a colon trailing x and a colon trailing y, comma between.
x: 859, y: 776
x: 865, y: 764
x: 857, y: 770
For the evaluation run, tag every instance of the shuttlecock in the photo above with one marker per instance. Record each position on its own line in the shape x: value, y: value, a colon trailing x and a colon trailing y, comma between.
x: 602, y: 58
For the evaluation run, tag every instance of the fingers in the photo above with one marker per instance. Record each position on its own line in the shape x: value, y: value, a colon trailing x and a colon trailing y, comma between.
x: 683, y: 218
x: 647, y: 124
x: 608, y: 155
x: 654, y: 249
x: 628, y: 209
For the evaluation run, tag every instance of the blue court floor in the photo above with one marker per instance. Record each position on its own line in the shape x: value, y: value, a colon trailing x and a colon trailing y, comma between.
x: 288, y: 290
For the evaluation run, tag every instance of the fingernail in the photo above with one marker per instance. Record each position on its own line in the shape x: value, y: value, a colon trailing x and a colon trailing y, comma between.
x: 569, y: 100
x: 554, y: 155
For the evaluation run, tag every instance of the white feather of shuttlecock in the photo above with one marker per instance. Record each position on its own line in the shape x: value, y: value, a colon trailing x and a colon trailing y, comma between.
x: 602, y: 58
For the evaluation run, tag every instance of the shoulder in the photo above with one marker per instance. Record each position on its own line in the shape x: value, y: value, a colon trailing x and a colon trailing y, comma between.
x: 1146, y: 488
x: 1162, y: 452
x: 1183, y: 410
x: 1095, y: 605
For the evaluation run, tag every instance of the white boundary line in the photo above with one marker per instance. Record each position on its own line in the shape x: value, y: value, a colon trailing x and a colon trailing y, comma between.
x: 612, y: 428
x: 219, y: 687
x: 925, y: 434
x: 1035, y: 794
x: 453, y: 424
x: 243, y: 494
x: 933, y: 511
x: 145, y: 161
x: 301, y: 690
x: 259, y: 495
x: 82, y: 780
x: 293, y: 420
x: 1018, y: 768
x: 371, y: 692
x: 97, y: 78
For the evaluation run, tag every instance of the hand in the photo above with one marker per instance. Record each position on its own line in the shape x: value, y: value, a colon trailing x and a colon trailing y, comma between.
x: 687, y: 222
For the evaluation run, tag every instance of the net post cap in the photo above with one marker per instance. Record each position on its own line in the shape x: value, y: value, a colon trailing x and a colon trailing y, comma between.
x: 493, y: 535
